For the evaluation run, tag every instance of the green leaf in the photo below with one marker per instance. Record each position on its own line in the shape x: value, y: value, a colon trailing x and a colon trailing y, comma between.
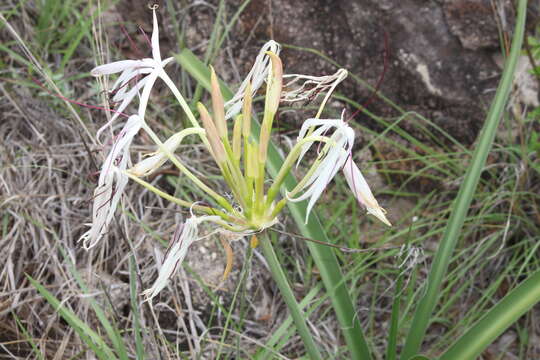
x: 471, y: 344
x: 422, y: 316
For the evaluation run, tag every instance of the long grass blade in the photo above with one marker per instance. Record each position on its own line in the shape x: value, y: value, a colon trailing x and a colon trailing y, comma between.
x: 461, y: 205
x: 495, y: 321
x: 139, y: 346
x: 89, y: 336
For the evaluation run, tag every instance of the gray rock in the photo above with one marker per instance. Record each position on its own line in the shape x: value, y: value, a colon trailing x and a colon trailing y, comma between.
x: 430, y: 70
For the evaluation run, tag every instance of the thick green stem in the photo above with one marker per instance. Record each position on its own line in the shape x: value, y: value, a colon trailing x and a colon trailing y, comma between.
x: 286, y: 292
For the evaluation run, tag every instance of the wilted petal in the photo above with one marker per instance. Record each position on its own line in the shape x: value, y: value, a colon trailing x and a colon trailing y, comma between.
x: 309, y: 87
x: 185, y: 235
x: 337, y: 150
x: 362, y: 192
x: 256, y: 76
x: 320, y: 179
x: 111, y: 184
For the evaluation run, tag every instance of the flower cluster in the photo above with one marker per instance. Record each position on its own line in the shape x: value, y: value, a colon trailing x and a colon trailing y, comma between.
x: 238, y: 151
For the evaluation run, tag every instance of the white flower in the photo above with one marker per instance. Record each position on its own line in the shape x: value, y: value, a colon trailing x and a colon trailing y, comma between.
x: 339, y: 147
x: 111, y: 183
x: 184, y: 235
x: 256, y: 76
x: 146, y: 69
x: 362, y: 192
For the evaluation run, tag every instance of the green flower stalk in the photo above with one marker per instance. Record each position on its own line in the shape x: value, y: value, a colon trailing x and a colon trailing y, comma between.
x: 240, y: 156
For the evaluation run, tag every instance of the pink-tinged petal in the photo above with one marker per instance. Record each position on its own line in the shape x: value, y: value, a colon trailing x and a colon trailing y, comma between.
x: 111, y: 184
x: 155, y: 38
x: 114, y: 67
x: 362, y: 192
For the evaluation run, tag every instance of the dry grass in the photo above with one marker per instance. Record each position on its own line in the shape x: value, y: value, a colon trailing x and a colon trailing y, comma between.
x: 47, y: 176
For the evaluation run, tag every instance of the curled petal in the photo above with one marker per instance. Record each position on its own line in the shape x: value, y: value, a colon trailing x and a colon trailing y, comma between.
x: 306, y: 88
x: 362, y: 192
x: 185, y: 235
x: 256, y: 76
x: 323, y: 175
x: 111, y: 184
x: 334, y: 155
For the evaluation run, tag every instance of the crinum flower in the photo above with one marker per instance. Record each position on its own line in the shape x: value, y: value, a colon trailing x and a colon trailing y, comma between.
x: 240, y: 156
x: 144, y: 71
x: 330, y: 160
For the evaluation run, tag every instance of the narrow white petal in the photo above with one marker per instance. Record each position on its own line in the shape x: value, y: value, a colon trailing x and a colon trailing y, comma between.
x: 145, y: 96
x: 155, y: 38
x: 154, y: 162
x: 111, y: 184
x: 166, y: 61
x: 114, y: 67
